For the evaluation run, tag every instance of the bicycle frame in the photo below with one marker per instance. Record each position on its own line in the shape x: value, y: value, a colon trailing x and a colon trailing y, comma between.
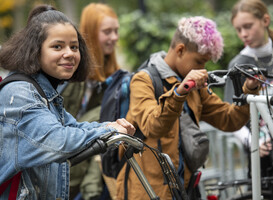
x: 257, y: 104
x: 133, y: 163
x: 135, y: 145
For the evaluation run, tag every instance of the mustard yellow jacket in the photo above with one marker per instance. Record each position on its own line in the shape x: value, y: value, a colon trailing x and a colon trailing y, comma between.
x: 162, y: 121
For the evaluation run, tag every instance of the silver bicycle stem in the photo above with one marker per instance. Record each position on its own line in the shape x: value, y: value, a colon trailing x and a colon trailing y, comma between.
x: 257, y: 104
x: 255, y: 157
x: 134, y: 142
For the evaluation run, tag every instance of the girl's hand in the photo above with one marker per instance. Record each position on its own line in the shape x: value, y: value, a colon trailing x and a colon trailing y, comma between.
x: 265, y: 148
x: 252, y: 83
x: 123, y: 126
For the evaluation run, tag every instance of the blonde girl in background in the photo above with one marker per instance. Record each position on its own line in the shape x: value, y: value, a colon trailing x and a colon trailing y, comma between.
x: 251, y: 20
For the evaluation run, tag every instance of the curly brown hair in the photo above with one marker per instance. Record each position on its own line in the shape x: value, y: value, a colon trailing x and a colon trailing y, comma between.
x: 22, y: 51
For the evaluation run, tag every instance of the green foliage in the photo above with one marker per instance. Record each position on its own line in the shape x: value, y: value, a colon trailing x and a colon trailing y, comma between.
x: 178, y: 6
x: 141, y: 35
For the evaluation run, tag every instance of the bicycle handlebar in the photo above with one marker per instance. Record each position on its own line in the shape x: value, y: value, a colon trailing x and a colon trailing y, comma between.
x: 217, y: 78
x: 97, y: 147
x: 253, y: 70
x: 189, y: 85
x: 134, y: 141
x: 214, y: 80
x: 101, y: 144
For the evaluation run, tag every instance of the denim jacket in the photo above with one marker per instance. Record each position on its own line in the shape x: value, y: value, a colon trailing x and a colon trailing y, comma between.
x: 39, y: 141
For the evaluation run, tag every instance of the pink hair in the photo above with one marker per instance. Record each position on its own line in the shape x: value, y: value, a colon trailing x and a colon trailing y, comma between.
x: 204, y: 34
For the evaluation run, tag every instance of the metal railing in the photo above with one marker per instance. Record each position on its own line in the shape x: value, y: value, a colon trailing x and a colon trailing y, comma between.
x: 227, y: 159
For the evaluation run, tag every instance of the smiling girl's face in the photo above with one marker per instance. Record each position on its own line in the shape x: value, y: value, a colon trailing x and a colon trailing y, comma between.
x: 108, y: 34
x: 60, y: 55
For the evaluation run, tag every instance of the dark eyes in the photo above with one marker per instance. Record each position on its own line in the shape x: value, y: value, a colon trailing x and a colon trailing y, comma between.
x: 72, y: 47
x: 57, y: 47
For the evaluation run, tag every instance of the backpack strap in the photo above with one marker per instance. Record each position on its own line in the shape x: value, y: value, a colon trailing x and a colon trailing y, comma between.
x: 24, y: 77
x: 15, y: 180
x: 156, y: 79
x: 158, y: 84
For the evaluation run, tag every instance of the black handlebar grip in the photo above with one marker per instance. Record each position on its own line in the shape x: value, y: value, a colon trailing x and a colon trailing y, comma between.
x: 96, y: 148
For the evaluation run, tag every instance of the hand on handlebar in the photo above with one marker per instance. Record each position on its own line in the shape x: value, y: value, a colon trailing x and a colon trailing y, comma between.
x: 198, y: 77
x: 252, y: 83
x: 123, y: 126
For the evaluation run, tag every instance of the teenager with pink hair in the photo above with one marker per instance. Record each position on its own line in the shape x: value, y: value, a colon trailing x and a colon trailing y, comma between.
x: 195, y: 42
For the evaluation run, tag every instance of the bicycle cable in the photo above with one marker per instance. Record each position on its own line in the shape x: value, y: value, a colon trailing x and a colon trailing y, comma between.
x: 169, y: 172
x: 252, y: 67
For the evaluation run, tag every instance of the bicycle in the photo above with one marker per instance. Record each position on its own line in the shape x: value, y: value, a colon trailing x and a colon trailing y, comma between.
x: 261, y: 103
x: 136, y: 145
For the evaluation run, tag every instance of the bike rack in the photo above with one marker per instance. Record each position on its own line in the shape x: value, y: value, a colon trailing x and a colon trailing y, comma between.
x: 257, y: 103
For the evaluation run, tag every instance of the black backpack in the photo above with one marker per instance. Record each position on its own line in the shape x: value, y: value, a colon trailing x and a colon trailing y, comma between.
x: 115, y: 105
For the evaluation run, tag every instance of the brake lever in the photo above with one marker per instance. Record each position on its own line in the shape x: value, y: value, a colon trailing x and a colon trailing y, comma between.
x: 216, y: 81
